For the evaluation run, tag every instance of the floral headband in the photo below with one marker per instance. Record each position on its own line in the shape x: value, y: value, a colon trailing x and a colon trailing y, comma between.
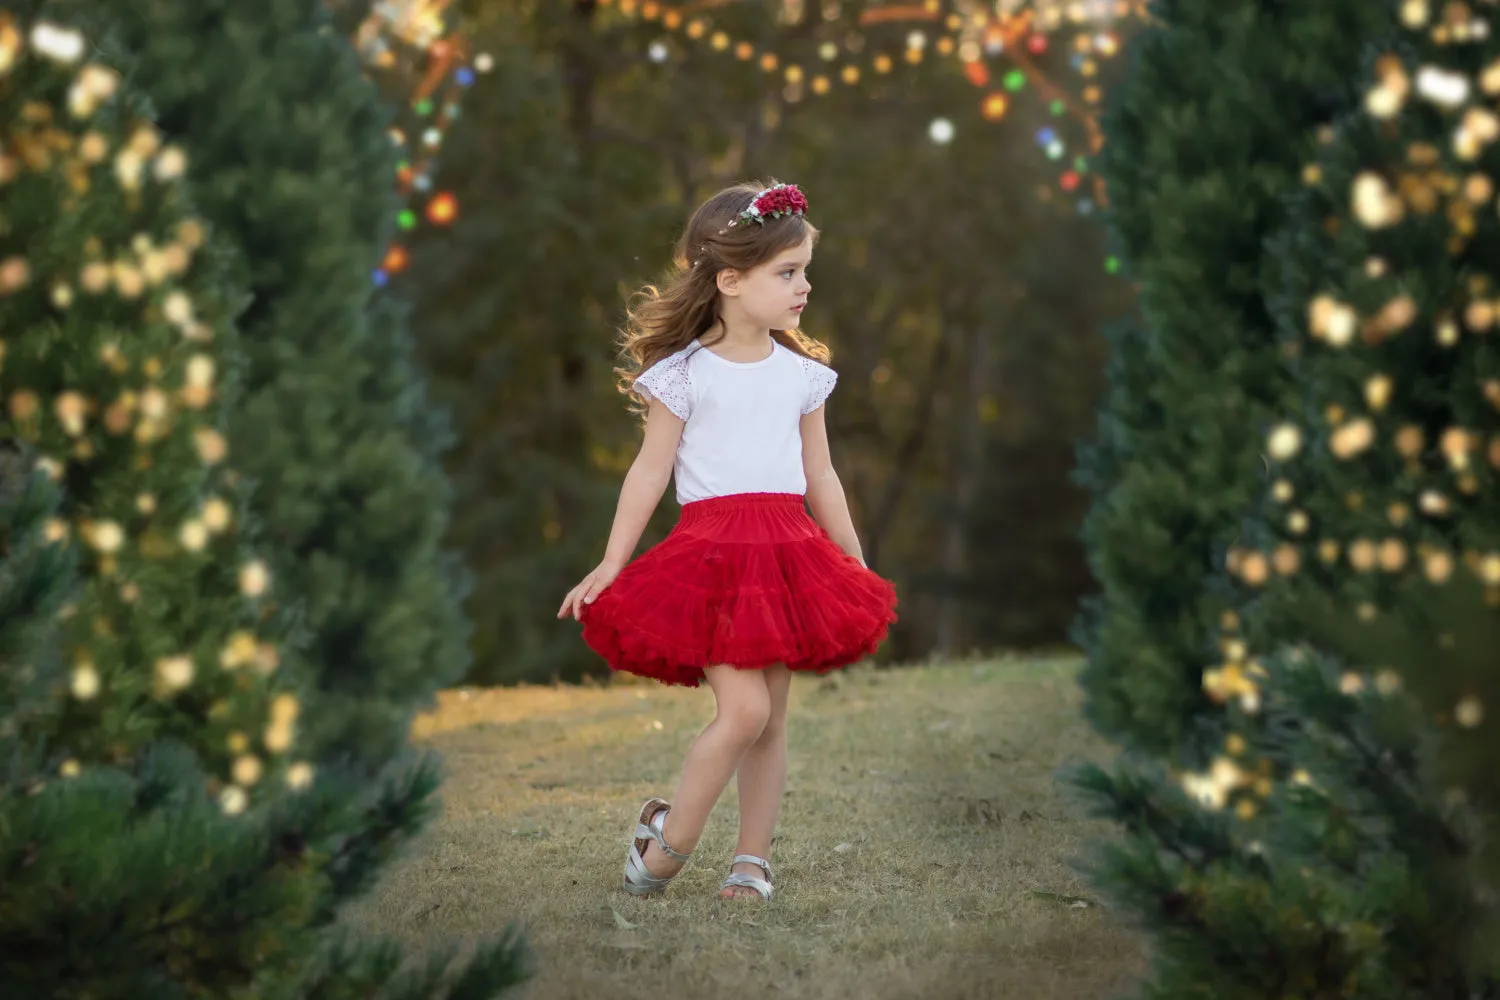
x: 774, y: 202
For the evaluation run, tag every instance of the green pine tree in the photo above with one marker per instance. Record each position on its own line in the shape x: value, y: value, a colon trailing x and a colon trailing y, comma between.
x: 1337, y: 845
x: 117, y: 348
x: 1383, y: 469
x: 1349, y: 879
x: 139, y: 719
x: 292, y: 161
x: 37, y: 575
x: 1205, y: 136
x: 160, y: 703
x: 1441, y: 650
x: 1380, y: 534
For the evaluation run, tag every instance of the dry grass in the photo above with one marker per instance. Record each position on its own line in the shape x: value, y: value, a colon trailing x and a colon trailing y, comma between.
x: 922, y: 851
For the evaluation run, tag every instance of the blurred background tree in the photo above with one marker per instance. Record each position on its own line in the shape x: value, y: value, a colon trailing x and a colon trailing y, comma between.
x: 960, y: 284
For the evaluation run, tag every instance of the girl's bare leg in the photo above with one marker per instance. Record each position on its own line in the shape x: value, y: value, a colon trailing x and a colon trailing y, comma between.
x: 742, y: 707
x: 762, y: 782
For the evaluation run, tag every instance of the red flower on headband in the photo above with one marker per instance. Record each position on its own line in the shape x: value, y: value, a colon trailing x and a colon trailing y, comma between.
x: 783, y: 199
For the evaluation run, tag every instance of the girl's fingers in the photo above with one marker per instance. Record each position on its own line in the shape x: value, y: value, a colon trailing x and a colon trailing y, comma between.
x: 596, y: 588
x: 582, y: 597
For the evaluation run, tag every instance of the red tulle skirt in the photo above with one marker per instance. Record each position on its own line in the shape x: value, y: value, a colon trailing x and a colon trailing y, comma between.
x: 748, y: 580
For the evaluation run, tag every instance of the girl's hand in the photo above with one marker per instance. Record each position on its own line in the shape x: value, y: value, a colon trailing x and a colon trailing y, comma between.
x: 591, y: 587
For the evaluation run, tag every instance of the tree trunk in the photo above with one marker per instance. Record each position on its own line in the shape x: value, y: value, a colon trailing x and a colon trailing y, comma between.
x: 909, y: 451
x: 963, y: 472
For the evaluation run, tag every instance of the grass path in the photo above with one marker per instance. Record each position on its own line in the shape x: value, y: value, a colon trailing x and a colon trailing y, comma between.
x: 922, y: 851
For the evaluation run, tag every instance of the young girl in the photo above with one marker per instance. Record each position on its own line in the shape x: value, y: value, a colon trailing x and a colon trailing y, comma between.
x: 746, y: 588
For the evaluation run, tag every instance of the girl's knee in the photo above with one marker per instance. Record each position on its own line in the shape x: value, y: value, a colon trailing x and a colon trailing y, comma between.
x: 743, y: 705
x: 747, y: 716
x: 775, y: 727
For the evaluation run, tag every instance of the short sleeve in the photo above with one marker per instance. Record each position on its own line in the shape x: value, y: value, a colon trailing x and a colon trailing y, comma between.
x: 669, y: 381
x: 820, y: 382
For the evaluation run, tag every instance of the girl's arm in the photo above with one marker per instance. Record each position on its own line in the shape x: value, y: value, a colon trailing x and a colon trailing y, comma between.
x: 825, y: 494
x: 644, y: 484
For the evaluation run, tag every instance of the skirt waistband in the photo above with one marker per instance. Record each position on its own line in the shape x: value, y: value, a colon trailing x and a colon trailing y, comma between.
x: 742, y: 499
x: 778, y: 505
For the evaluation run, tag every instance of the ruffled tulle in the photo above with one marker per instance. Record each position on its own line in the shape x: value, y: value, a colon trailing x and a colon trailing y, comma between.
x: 747, y: 580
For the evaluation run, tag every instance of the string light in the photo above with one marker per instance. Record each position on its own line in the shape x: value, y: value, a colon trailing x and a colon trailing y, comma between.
x: 413, y: 39
x: 1012, y: 31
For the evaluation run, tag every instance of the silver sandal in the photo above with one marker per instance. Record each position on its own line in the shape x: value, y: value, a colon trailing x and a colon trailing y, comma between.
x: 638, y: 878
x: 760, y: 885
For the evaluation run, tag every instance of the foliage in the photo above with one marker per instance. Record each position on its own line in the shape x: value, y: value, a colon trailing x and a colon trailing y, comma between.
x: 1338, y: 843
x: 333, y: 429
x: 1203, y: 141
x: 157, y: 834
x: 118, y: 343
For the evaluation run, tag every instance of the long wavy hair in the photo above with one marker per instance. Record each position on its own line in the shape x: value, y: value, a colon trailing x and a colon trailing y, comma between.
x: 661, y: 321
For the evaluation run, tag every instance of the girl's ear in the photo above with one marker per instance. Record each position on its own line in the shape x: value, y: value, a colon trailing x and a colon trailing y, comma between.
x: 728, y: 281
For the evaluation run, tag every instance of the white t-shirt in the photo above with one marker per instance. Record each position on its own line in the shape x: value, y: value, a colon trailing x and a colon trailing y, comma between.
x: 743, y: 430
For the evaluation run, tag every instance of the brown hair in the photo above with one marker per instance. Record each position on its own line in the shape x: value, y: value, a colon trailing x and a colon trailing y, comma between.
x: 662, y: 321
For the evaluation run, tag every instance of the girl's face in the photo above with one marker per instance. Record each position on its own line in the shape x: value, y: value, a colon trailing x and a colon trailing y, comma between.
x: 773, y: 294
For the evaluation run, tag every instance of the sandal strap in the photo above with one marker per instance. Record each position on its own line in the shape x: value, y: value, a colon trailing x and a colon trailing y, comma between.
x: 638, y: 878
x: 750, y: 859
x: 637, y: 874
x: 654, y: 831
x: 760, y: 885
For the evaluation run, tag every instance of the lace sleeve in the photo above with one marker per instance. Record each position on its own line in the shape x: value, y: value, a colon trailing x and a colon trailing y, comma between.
x: 669, y: 381
x: 820, y: 382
